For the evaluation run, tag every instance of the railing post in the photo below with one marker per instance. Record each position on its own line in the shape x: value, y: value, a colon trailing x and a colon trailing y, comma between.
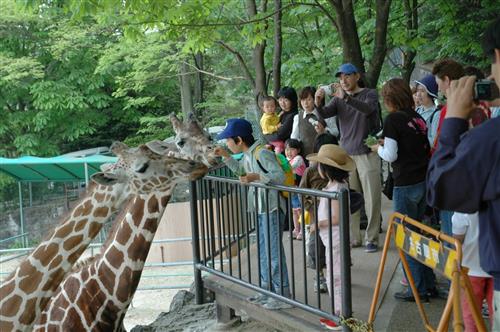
x: 345, y: 255
x: 198, y: 281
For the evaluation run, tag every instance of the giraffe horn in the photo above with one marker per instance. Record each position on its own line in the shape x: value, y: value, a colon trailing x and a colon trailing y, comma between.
x: 176, y: 123
x: 117, y: 147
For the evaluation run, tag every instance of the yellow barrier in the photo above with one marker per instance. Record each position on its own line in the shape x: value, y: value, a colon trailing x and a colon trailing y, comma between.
x: 428, y: 247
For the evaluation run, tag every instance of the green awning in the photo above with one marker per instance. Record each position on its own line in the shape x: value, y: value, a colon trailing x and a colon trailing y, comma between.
x: 60, y: 168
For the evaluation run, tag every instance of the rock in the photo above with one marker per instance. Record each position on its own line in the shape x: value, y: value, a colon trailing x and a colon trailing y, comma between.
x: 190, y: 317
x: 208, y: 296
x: 181, y: 299
x: 186, y: 316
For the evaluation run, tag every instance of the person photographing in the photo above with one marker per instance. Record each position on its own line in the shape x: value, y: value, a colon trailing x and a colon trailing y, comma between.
x: 357, y: 108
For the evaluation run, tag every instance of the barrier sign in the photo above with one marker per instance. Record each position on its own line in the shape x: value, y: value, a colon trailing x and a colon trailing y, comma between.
x: 426, y: 250
x: 443, y: 255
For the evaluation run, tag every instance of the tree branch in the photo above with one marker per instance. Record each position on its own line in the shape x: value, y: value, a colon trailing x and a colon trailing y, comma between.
x: 198, y: 70
x: 195, y: 25
x: 240, y: 59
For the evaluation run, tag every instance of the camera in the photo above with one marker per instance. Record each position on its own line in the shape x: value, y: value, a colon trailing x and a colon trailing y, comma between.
x: 327, y: 88
x: 486, y: 90
x: 313, y: 121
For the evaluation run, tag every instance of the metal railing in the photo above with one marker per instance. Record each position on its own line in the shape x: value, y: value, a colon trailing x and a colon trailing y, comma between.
x: 222, y: 227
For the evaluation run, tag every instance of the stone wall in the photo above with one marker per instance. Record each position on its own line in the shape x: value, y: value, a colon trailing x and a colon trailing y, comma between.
x: 38, y: 221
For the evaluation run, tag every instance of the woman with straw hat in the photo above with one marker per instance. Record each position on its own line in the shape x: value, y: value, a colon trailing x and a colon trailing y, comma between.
x: 334, y: 164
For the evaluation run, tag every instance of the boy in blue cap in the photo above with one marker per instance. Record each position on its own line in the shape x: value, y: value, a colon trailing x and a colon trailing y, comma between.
x: 266, y: 170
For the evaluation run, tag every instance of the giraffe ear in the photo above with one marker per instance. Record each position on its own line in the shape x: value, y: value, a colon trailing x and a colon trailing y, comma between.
x: 106, y: 167
x: 105, y: 179
x: 176, y: 123
x: 160, y: 147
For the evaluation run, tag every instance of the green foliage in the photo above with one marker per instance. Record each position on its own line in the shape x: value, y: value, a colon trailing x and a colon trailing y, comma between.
x: 77, y: 74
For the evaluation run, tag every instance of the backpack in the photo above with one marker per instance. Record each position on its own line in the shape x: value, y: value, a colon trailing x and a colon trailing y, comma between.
x: 285, y: 166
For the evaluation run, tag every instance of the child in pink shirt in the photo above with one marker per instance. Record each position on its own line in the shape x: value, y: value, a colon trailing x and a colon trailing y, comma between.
x: 334, y: 164
x: 292, y: 151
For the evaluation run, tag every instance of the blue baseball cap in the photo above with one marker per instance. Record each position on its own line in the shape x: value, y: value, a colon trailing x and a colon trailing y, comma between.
x: 235, y: 128
x: 346, y: 68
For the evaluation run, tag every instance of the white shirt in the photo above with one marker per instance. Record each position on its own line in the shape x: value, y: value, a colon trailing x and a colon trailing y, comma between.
x: 388, y: 151
x: 468, y: 224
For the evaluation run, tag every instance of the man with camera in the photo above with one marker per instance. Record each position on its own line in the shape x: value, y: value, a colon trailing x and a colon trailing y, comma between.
x: 356, y: 108
x: 464, y: 171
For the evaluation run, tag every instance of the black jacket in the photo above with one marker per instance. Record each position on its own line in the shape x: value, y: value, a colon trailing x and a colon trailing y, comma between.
x: 286, y: 120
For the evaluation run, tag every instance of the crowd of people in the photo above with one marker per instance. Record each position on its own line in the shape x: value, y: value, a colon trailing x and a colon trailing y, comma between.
x: 443, y: 146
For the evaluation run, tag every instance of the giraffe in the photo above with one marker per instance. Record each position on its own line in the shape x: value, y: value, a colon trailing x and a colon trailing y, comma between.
x: 25, y: 292
x: 191, y: 141
x: 96, y: 297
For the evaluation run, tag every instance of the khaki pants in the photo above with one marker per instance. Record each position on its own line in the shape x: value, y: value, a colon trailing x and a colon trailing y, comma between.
x: 366, y: 179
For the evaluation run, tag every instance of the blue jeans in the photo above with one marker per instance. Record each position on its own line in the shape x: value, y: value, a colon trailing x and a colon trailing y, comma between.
x: 275, y: 234
x: 410, y: 200
x: 295, y: 201
x: 445, y: 218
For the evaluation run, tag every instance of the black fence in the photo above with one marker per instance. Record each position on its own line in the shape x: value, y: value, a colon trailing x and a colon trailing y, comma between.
x: 226, y: 241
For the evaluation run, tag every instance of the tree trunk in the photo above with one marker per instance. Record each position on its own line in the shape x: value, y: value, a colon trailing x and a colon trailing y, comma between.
x: 411, y: 13
x: 198, y: 82
x: 380, y: 46
x: 348, y: 32
x: 278, y: 43
x: 346, y: 26
x: 258, y: 53
x: 186, y: 95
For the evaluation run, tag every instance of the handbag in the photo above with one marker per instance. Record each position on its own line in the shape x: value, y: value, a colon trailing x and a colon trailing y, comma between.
x: 388, y: 185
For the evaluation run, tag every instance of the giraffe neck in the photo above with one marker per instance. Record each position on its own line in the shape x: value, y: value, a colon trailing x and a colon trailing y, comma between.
x: 97, y: 296
x: 24, y: 294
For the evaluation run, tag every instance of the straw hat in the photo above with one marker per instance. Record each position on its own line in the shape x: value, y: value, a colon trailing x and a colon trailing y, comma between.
x: 333, y: 155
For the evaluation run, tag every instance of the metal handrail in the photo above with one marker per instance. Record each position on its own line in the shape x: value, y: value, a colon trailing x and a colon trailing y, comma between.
x: 207, y: 249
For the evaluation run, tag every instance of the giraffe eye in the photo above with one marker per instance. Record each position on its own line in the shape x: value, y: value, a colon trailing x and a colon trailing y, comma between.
x: 143, y: 168
x: 181, y: 143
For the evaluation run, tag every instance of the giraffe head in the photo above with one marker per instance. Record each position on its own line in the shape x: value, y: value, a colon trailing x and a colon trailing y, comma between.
x: 147, y: 171
x: 192, y: 140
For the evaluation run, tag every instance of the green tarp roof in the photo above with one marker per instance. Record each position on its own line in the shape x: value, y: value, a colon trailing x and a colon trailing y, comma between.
x: 60, y: 168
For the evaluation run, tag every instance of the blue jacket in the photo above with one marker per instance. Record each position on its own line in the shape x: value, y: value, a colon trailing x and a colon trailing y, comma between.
x: 464, y: 176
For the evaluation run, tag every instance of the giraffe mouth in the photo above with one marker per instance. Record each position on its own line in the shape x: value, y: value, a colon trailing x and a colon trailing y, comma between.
x: 199, y: 172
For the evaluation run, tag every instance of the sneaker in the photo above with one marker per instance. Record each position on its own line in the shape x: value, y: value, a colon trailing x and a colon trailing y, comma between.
x: 330, y: 324
x: 323, y: 288
x: 437, y: 293
x: 258, y: 298
x: 273, y: 304
x: 485, y: 311
x: 404, y: 282
x: 405, y: 297
x: 371, y: 247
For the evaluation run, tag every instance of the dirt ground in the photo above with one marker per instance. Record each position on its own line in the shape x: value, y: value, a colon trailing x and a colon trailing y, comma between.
x: 148, y: 304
